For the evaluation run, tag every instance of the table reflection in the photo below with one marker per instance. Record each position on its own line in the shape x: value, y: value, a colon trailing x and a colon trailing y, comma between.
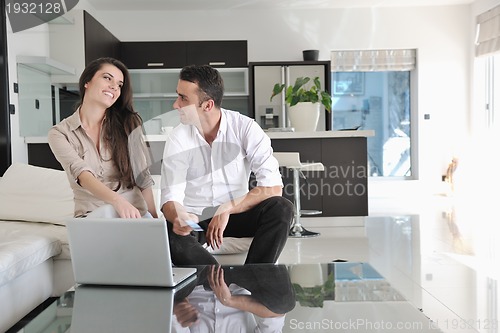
x: 235, y: 299
x: 349, y: 296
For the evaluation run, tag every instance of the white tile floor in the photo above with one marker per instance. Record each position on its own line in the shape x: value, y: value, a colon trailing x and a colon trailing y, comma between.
x: 441, y: 253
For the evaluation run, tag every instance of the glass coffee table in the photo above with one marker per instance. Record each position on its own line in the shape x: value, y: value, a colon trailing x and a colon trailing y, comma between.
x: 341, y: 297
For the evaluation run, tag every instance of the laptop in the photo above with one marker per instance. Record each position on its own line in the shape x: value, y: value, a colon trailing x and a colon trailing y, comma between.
x: 123, y: 252
x: 122, y: 309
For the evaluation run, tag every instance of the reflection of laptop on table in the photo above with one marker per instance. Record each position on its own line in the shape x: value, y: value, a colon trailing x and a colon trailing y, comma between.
x: 127, y: 252
x: 122, y: 309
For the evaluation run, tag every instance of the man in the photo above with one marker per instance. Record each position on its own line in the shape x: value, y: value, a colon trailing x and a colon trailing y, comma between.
x: 205, y: 175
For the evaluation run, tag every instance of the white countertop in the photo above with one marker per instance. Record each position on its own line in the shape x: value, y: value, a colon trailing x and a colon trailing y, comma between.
x: 272, y: 135
x: 295, y: 135
x: 35, y: 139
x: 320, y: 134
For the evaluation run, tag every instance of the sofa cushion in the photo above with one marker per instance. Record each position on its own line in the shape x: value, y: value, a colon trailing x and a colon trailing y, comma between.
x: 30, y: 193
x: 231, y: 245
x: 47, y: 230
x: 19, y: 252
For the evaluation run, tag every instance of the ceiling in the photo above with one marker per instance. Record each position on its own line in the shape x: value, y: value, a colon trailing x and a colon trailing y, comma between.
x: 154, y: 5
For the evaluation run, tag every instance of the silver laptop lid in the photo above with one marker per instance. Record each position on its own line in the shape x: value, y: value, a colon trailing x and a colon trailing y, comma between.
x: 131, y: 252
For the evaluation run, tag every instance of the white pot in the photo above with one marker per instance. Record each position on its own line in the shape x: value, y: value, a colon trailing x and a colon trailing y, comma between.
x: 304, y: 116
x: 307, y: 275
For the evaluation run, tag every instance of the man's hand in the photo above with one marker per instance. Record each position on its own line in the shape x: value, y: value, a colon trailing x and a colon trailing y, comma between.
x: 180, y: 226
x: 177, y: 214
x: 216, y: 228
x: 218, y: 285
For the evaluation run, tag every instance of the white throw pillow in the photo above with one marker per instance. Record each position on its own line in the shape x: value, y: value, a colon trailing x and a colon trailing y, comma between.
x: 231, y: 245
x: 35, y: 194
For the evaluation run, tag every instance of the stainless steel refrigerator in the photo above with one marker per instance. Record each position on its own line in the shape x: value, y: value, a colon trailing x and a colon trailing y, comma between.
x: 264, y: 75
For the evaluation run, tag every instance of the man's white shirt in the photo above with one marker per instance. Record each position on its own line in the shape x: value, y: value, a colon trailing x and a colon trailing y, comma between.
x: 198, y: 175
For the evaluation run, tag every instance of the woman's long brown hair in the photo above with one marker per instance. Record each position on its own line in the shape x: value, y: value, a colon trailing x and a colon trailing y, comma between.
x: 120, y: 120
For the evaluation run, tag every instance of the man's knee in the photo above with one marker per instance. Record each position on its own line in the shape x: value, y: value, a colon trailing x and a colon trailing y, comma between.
x: 282, y: 203
x: 281, y: 207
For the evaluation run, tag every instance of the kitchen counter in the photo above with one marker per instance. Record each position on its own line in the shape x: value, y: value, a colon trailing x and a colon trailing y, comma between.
x: 320, y: 134
x: 272, y: 135
x: 341, y: 190
x: 294, y: 135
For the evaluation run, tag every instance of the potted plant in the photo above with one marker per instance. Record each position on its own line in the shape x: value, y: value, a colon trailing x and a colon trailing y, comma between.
x: 314, y: 297
x: 312, y: 283
x: 304, y: 102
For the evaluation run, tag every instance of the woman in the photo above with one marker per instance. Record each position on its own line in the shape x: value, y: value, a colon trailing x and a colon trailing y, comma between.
x: 101, y: 146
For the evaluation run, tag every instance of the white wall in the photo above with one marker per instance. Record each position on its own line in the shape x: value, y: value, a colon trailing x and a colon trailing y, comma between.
x: 442, y: 36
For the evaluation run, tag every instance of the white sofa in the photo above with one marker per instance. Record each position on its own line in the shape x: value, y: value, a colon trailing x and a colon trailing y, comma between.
x: 35, y: 260
x: 34, y: 254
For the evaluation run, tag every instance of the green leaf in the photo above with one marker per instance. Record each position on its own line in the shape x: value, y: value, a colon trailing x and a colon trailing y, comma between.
x: 277, y: 89
x: 326, y: 100
x: 317, y: 84
x: 300, y: 93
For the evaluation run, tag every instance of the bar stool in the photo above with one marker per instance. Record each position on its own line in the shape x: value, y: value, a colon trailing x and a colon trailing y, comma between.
x: 291, y: 160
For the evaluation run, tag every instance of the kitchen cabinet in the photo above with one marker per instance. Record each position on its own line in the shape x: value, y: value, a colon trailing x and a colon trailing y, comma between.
x: 40, y: 154
x: 177, y: 54
x: 340, y: 190
x: 38, y: 108
x: 142, y: 55
x: 41, y: 79
x: 78, y: 43
x: 155, y: 93
x: 264, y: 75
x: 220, y: 53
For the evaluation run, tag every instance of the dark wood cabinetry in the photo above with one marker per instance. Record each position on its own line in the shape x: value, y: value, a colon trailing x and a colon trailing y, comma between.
x: 140, y: 55
x: 340, y: 190
x: 146, y: 55
x: 40, y: 154
x: 217, y: 53
x: 99, y: 42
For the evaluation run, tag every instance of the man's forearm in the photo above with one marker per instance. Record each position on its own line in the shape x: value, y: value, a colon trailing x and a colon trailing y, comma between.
x: 249, y: 304
x: 252, y: 198
x: 172, y: 209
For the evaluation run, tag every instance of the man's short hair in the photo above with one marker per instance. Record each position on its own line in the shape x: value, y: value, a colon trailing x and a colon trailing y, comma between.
x: 208, y: 79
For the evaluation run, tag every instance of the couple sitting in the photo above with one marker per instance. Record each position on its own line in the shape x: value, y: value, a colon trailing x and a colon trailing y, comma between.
x: 205, y: 170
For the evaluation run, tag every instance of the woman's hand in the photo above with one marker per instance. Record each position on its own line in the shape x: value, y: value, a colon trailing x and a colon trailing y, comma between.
x: 185, y: 313
x: 124, y: 208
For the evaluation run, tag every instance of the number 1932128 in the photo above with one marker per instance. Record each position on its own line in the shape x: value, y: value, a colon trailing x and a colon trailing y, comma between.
x: 462, y: 324
x: 34, y: 8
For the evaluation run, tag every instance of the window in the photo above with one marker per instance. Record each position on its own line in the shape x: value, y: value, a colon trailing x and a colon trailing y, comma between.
x: 373, y: 90
x: 487, y: 65
x: 488, y: 98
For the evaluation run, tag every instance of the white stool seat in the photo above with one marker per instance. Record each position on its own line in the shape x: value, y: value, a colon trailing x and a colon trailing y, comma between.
x: 291, y: 160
